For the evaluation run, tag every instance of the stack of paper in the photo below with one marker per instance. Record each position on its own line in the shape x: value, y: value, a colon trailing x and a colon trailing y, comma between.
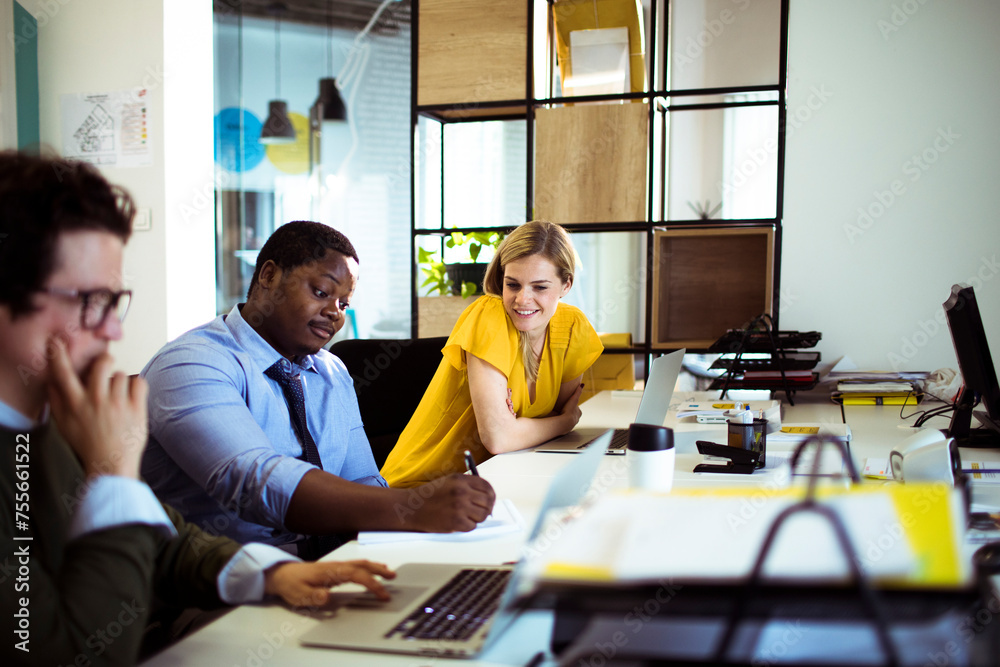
x: 504, y: 519
x: 795, y: 433
x: 854, y: 392
x: 717, y: 535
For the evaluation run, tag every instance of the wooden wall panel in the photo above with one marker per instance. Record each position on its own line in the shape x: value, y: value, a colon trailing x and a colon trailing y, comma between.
x: 471, y: 52
x: 590, y: 163
x: 706, y: 281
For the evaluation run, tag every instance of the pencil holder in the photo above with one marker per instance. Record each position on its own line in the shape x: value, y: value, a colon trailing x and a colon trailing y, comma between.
x: 752, y: 437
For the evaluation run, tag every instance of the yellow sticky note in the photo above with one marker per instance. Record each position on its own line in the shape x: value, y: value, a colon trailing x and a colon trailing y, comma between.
x: 807, y: 430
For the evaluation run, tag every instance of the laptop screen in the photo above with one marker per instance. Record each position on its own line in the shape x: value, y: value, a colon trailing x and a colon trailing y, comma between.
x: 659, y: 389
x: 567, y: 488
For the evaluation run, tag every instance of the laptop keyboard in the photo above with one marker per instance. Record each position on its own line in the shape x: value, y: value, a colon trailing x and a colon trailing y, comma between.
x: 618, y: 441
x: 457, y: 609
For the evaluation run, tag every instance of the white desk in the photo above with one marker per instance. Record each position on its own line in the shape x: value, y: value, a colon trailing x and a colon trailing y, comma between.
x: 255, y: 635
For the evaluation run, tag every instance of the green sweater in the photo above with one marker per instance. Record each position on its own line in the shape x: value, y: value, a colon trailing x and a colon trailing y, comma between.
x: 87, y: 601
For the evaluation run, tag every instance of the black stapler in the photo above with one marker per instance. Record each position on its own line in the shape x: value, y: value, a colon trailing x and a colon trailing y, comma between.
x: 741, y: 461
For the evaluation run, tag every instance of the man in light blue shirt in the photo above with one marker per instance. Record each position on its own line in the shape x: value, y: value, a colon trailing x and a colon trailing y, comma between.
x: 88, y: 556
x: 226, y: 445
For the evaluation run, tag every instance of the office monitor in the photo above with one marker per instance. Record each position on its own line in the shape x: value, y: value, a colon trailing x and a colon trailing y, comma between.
x: 979, y: 375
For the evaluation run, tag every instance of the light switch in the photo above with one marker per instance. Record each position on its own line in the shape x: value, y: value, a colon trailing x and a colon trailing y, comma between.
x: 143, y: 220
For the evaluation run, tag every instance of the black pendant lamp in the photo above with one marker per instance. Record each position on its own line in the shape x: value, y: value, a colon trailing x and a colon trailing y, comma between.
x: 278, y: 127
x: 329, y: 106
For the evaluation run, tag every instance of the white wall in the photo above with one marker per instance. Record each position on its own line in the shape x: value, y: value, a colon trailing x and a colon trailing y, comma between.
x: 166, y: 47
x: 874, y: 87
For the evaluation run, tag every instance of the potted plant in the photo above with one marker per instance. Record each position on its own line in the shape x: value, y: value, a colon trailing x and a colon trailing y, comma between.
x: 462, y: 279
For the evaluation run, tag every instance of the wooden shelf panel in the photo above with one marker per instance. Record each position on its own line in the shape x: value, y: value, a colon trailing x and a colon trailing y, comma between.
x: 590, y: 163
x: 471, y: 51
x: 474, y: 112
x: 706, y: 281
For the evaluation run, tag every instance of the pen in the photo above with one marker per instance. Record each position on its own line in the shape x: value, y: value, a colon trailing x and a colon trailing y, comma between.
x: 536, y: 660
x: 470, y: 463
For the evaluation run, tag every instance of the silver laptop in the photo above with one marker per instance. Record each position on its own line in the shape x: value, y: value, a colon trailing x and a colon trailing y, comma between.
x: 426, y: 615
x: 653, y: 409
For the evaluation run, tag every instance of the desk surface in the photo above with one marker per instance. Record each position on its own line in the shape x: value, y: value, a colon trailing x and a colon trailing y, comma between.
x: 252, y: 634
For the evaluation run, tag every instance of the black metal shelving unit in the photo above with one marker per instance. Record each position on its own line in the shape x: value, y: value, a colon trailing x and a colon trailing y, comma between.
x: 661, y: 101
x: 784, y: 355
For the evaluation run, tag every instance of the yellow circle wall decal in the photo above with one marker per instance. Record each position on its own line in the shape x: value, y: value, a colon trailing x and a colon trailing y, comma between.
x: 292, y: 158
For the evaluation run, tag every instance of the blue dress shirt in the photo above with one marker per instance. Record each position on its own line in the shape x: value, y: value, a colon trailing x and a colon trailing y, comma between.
x: 222, y: 448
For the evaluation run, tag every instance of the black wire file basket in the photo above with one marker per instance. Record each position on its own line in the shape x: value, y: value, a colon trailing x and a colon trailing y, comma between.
x: 763, y: 621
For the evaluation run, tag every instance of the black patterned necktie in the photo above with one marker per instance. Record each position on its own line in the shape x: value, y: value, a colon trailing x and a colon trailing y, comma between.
x: 314, y: 546
x: 291, y: 386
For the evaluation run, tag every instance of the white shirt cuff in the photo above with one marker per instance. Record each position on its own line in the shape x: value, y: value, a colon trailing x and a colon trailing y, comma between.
x: 242, y: 579
x: 109, y: 501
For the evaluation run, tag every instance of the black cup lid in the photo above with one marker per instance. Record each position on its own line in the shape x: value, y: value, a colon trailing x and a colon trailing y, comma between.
x: 649, y: 438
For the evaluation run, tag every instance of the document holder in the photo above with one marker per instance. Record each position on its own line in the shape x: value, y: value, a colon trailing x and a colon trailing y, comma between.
x: 761, y: 620
x: 760, y: 336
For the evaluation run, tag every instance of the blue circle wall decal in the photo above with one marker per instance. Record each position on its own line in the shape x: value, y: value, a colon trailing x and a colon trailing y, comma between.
x: 227, y: 139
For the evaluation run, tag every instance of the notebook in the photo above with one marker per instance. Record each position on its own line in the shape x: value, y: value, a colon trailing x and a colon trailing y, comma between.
x: 424, y: 617
x: 653, y: 409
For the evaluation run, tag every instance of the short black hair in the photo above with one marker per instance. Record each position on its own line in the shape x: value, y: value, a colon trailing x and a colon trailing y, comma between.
x: 41, y: 197
x: 295, y: 243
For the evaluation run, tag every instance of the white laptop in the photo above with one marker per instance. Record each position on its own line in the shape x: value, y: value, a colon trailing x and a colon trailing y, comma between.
x: 653, y: 409
x: 424, y: 616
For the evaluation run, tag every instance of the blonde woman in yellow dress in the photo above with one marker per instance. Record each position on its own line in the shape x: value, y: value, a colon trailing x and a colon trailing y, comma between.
x: 512, y: 367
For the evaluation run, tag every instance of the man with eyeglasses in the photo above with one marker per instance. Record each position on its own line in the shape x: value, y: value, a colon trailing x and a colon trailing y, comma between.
x: 88, y: 558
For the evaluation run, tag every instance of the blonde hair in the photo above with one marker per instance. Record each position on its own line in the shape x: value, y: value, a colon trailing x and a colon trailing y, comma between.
x: 538, y: 237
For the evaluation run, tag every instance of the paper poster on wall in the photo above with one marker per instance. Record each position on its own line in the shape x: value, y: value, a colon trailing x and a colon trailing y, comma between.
x: 110, y: 129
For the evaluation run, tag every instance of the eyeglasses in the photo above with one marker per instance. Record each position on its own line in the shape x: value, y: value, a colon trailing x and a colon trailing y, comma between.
x: 96, y: 304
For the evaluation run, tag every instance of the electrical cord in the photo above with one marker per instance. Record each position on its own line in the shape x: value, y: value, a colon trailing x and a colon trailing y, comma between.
x: 923, y: 416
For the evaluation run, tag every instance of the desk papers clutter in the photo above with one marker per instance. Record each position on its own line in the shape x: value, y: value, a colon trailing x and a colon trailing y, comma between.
x: 902, y: 535
x: 691, y: 410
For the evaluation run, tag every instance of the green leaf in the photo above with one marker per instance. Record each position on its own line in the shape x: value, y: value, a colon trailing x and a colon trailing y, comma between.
x: 468, y: 289
x: 424, y: 256
x: 474, y: 252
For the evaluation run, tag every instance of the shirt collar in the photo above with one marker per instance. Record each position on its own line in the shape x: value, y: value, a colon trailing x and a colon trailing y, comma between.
x: 258, y: 348
x: 15, y: 421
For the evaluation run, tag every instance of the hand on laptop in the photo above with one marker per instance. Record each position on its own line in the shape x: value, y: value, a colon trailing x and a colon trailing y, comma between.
x: 308, y: 584
x: 452, y: 503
